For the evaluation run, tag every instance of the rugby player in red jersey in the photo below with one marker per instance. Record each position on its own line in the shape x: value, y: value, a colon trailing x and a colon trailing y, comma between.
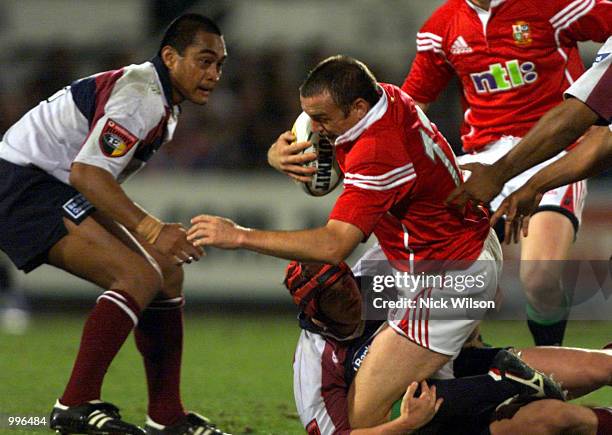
x: 514, y: 59
x: 398, y: 169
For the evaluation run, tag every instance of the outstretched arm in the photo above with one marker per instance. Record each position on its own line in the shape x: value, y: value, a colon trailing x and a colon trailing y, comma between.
x: 555, y: 131
x: 329, y: 244
x: 592, y: 156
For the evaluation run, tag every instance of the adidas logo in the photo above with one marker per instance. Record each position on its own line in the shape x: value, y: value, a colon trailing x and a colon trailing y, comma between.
x: 460, y: 46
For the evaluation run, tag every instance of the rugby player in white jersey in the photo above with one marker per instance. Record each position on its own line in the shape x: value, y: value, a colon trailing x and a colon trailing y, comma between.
x: 61, y: 203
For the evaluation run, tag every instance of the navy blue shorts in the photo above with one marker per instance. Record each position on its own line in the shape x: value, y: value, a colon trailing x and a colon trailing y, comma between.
x: 32, y: 207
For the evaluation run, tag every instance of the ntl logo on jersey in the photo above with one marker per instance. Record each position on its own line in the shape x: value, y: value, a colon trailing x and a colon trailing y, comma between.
x: 115, y: 140
x: 504, y: 77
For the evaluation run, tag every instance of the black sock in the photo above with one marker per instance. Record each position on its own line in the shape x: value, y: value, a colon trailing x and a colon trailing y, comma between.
x: 473, y: 361
x: 471, y: 395
x: 547, y: 335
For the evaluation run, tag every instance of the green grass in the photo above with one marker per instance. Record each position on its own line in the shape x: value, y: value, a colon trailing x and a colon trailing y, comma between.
x: 237, y: 370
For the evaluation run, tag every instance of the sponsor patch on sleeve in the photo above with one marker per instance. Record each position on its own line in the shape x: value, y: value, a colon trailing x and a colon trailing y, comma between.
x: 116, y: 140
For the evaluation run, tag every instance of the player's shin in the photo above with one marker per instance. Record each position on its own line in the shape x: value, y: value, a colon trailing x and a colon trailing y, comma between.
x: 159, y: 338
x: 106, y: 329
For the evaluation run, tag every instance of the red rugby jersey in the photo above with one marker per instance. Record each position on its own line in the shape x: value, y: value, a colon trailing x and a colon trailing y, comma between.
x: 513, y: 62
x: 398, y: 170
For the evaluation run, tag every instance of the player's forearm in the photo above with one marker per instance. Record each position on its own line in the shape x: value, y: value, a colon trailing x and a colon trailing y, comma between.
x: 390, y: 428
x: 103, y: 191
x: 555, y: 131
x: 318, y: 244
x: 591, y: 157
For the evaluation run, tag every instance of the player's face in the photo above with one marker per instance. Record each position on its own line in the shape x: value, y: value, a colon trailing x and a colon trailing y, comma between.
x: 195, y: 73
x: 327, y: 118
x: 341, y: 304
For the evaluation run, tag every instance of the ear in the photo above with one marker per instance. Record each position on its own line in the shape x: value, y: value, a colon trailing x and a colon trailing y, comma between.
x: 169, y: 56
x: 361, y: 106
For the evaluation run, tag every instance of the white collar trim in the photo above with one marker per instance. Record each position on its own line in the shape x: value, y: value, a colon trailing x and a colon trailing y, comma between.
x: 374, y: 114
x: 494, y: 4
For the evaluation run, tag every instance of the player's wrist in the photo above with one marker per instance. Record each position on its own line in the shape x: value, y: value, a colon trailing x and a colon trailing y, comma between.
x: 503, y: 171
x: 242, y: 237
x: 149, y: 228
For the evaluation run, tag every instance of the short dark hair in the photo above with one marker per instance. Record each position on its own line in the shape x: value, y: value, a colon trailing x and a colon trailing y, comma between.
x: 182, y: 31
x: 345, y: 78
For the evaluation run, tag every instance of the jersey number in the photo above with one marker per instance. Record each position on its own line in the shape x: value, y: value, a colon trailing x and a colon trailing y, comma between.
x: 432, y: 149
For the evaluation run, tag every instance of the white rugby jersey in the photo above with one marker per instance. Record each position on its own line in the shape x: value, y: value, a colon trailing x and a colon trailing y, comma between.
x: 323, y: 369
x: 115, y: 120
x: 319, y: 385
x: 594, y: 87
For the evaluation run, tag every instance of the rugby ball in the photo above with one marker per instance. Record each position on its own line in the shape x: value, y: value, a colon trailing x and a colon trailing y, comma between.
x: 328, y: 174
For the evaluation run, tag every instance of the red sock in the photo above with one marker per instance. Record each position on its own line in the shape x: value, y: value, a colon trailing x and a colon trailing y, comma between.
x: 604, y: 420
x: 159, y: 338
x: 105, y: 331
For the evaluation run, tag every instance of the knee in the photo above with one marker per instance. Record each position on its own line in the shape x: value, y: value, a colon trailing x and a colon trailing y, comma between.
x: 539, y: 281
x: 597, y: 370
x: 173, y: 277
x: 139, y: 278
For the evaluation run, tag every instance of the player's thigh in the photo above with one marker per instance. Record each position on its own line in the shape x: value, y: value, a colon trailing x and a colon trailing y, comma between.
x: 393, y: 362
x: 580, y: 371
x: 91, y: 252
x: 170, y: 271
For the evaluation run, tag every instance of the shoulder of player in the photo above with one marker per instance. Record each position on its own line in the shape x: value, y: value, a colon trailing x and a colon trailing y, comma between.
x: 438, y: 23
x: 379, y: 143
x: 559, y: 14
x: 374, y: 156
x: 138, y: 91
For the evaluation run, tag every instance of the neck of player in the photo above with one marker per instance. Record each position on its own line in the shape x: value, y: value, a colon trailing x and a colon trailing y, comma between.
x: 483, y: 4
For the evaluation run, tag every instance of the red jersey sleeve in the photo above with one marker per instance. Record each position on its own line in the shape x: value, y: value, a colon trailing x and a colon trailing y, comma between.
x: 579, y: 20
x: 430, y: 71
x: 372, y: 186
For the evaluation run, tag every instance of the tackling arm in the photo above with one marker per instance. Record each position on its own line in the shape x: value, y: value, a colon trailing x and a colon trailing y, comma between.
x: 592, y: 156
x: 555, y: 131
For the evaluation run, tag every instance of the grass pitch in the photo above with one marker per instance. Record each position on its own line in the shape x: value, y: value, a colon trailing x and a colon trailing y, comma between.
x: 236, y: 371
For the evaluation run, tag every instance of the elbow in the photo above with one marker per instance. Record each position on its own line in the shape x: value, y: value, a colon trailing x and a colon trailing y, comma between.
x: 335, y: 259
x: 334, y: 253
x: 76, y: 178
x: 81, y: 176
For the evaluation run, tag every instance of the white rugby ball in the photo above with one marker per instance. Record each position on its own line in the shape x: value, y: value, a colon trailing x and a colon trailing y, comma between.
x: 328, y: 174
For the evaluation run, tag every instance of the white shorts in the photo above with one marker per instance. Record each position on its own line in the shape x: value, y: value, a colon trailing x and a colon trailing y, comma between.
x: 431, y: 320
x: 568, y: 199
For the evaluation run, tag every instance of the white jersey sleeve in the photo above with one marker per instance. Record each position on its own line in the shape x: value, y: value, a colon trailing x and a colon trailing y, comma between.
x: 594, y: 87
x: 320, y: 391
x: 132, y: 110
